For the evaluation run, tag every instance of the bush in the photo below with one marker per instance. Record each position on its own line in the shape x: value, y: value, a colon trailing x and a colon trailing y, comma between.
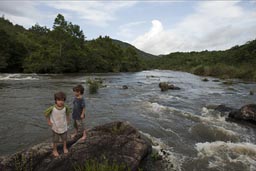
x: 94, y: 85
x: 198, y: 70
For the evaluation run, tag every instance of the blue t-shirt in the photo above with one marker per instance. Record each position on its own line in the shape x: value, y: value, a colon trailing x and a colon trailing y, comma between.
x: 78, y: 105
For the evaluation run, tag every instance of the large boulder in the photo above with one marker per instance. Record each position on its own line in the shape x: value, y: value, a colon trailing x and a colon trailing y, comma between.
x: 117, y: 142
x: 164, y: 86
x: 245, y: 113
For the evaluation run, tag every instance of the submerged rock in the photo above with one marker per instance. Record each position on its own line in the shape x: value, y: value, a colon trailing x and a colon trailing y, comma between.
x: 164, y: 86
x: 245, y: 113
x: 117, y: 142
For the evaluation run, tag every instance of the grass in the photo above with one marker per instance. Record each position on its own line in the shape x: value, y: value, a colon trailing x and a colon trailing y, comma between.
x: 23, y: 163
x: 155, y: 156
x: 105, y: 165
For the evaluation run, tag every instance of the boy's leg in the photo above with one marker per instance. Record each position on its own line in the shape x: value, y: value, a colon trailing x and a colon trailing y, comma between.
x: 64, y: 139
x: 84, y: 135
x: 76, y: 129
x: 65, y: 149
x: 81, y: 129
x: 54, y: 151
x: 55, y: 139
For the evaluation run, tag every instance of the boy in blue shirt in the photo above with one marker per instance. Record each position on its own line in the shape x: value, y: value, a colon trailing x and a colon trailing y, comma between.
x: 78, y: 113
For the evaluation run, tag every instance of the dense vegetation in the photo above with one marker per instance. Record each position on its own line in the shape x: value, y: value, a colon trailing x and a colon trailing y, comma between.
x: 64, y: 48
x: 237, y: 62
x: 60, y: 50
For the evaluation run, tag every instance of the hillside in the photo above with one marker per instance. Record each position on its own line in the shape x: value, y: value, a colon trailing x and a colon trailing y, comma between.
x: 236, y: 62
x: 140, y: 53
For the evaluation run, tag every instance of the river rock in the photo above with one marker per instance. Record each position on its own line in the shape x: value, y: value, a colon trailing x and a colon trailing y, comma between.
x: 164, y: 86
x: 125, y: 87
x: 251, y: 92
x: 245, y: 113
x: 223, y: 109
x: 116, y: 142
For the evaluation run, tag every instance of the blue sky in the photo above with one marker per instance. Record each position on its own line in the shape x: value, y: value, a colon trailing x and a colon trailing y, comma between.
x: 157, y: 27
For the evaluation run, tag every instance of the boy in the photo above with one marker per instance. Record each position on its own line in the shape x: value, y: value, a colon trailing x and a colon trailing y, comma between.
x: 58, y: 118
x: 78, y: 113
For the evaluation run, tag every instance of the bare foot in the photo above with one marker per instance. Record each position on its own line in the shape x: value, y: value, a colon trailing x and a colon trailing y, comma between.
x: 55, y: 154
x: 73, y: 136
x: 82, y: 139
x: 65, y: 151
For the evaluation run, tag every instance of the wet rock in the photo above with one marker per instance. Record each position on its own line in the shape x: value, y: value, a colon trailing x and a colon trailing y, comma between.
x: 205, y: 79
x: 150, y: 76
x: 125, y: 87
x: 228, y: 82
x: 30, y: 158
x: 245, y: 113
x: 117, y: 141
x: 223, y: 108
x: 164, y: 86
x: 251, y: 92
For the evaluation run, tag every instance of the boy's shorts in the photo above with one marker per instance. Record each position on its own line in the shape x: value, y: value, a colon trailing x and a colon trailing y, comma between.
x: 79, y: 125
x: 56, y: 138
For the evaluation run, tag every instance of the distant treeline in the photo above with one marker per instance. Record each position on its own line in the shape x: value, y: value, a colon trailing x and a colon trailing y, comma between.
x: 64, y: 49
x: 237, y: 62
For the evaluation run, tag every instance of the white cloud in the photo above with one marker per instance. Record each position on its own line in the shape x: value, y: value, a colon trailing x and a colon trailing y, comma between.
x: 214, y: 26
x: 27, y: 13
x: 21, y: 12
x: 127, y: 31
x: 98, y: 13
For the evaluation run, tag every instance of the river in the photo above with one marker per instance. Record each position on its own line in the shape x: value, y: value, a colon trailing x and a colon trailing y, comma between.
x: 179, y: 121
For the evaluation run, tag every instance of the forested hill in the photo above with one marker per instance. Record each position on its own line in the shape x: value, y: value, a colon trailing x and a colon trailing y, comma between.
x: 236, y: 62
x: 63, y: 49
x: 140, y: 53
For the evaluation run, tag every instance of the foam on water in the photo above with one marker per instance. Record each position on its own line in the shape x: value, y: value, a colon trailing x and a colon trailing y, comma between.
x: 156, y: 107
x: 158, y: 111
x: 165, y: 152
x: 224, y: 154
x: 18, y: 77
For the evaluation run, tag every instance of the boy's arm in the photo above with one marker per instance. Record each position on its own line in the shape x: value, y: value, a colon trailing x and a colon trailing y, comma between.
x: 68, y: 118
x: 83, y: 113
x: 67, y: 114
x: 49, y: 121
x: 47, y: 114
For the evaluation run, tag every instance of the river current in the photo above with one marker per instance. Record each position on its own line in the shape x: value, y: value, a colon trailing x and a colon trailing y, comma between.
x: 180, y: 122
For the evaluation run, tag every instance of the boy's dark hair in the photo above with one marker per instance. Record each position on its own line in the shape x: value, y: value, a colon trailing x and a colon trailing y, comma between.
x: 79, y: 88
x: 60, y: 96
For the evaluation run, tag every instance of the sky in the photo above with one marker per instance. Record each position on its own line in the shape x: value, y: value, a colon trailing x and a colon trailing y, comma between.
x: 156, y: 27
